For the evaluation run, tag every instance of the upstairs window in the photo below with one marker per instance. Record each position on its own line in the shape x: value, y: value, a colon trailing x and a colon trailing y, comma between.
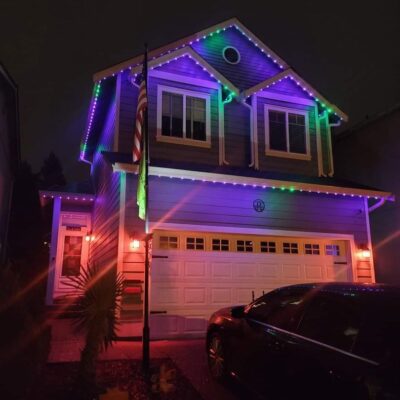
x: 286, y: 133
x: 183, y: 117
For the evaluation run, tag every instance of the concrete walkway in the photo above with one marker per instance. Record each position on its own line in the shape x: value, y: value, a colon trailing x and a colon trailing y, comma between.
x: 188, y: 355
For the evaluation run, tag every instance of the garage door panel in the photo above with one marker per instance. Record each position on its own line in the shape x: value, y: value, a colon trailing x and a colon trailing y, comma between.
x: 194, y: 269
x: 194, y: 295
x: 221, y: 269
x: 245, y: 270
x: 272, y: 271
x: 165, y: 295
x: 166, y: 269
x: 221, y: 296
x: 291, y: 271
x: 338, y: 272
x: 314, y: 272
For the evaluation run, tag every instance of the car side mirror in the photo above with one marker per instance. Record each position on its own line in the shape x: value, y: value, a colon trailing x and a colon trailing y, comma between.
x: 238, y: 312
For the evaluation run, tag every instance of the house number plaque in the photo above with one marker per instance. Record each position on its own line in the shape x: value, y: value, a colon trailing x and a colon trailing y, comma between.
x: 258, y: 205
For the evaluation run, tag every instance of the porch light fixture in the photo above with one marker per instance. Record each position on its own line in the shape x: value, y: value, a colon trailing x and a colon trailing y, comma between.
x: 363, y: 254
x: 134, y: 244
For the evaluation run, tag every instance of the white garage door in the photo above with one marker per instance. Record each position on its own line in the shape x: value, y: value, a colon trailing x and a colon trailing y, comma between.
x: 194, y: 274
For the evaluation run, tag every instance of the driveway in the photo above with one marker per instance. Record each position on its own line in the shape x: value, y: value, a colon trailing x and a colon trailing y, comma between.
x: 188, y: 355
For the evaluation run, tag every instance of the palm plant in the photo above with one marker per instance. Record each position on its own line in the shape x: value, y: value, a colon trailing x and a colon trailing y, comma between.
x: 99, y: 292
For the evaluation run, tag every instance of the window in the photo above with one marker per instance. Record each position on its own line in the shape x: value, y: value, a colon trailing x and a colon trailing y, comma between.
x: 194, y: 243
x: 72, y: 256
x: 290, y: 248
x: 168, y: 242
x: 286, y: 133
x: 244, y: 245
x: 332, y: 250
x: 311, y: 249
x: 333, y: 319
x: 268, y: 247
x: 220, y: 244
x: 231, y: 55
x: 183, y: 117
x: 281, y: 308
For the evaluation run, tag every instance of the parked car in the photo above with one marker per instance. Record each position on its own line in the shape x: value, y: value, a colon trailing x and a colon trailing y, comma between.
x: 326, y: 340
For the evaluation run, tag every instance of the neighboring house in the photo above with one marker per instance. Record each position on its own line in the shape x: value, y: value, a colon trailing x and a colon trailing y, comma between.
x: 9, y: 152
x: 242, y: 198
x: 369, y: 153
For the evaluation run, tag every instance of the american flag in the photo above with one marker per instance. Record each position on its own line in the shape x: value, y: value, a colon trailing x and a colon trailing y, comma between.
x: 140, y: 117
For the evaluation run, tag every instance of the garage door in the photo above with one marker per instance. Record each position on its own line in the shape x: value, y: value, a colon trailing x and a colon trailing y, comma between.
x: 194, y: 274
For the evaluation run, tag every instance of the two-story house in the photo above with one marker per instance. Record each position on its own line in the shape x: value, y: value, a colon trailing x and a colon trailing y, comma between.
x: 242, y: 197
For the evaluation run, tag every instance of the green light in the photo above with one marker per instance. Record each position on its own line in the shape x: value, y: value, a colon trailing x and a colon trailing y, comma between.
x: 282, y: 188
x: 329, y: 110
x: 291, y: 189
x: 219, y: 30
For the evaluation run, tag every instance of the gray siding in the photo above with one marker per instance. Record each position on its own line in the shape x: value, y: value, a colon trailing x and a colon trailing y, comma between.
x: 237, y: 134
x: 187, y: 202
x: 104, y: 249
x: 278, y: 164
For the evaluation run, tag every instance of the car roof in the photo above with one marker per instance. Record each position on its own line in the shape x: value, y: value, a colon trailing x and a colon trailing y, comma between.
x: 343, y: 287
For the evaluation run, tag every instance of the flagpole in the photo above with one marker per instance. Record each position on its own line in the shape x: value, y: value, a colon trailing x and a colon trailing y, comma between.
x: 146, y: 328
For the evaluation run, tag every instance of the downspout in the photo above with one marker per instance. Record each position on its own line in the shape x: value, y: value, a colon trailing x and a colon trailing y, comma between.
x: 331, y: 167
x: 380, y: 203
x: 222, y: 124
x: 254, y: 161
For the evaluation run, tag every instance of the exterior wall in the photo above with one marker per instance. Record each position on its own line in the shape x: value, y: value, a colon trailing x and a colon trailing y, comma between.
x: 370, y: 155
x: 280, y: 164
x: 104, y: 248
x: 192, y: 203
x: 9, y: 153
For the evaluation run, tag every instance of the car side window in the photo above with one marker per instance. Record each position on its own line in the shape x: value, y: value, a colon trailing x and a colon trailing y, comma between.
x: 282, y: 309
x: 333, y: 319
x: 378, y: 338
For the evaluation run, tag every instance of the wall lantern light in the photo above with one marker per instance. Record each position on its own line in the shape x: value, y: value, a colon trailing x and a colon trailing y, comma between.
x: 134, y: 244
x: 363, y: 254
x: 89, y: 237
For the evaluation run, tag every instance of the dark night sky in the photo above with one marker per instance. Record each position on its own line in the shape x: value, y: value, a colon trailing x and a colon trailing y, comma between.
x: 349, y: 51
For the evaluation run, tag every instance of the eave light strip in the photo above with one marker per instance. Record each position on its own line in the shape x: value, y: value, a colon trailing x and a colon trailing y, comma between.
x: 254, y: 182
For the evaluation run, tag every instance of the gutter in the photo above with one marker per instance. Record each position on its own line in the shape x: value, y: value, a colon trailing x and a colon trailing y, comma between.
x: 378, y: 204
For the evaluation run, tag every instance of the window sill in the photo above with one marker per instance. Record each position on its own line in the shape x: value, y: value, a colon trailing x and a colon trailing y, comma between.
x: 186, y: 142
x: 284, y: 154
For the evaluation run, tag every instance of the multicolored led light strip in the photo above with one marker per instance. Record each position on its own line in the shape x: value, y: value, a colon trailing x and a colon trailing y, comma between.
x: 95, y: 96
x: 288, y: 188
x: 68, y: 197
x: 216, y: 32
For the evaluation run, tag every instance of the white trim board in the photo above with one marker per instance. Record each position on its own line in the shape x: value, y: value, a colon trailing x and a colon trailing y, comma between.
x: 281, y: 153
x: 286, y: 98
x: 183, y: 79
x: 251, y: 181
x: 166, y: 226
x: 183, y: 140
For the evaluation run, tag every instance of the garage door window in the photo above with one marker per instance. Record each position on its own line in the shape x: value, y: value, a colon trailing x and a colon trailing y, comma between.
x: 290, y: 248
x: 244, y: 245
x: 193, y: 243
x: 168, y: 242
x: 312, y: 249
x: 220, y: 244
x: 268, y: 247
x: 332, y: 250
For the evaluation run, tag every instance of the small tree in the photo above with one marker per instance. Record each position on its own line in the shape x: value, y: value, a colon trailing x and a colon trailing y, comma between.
x: 51, y: 173
x: 100, y: 291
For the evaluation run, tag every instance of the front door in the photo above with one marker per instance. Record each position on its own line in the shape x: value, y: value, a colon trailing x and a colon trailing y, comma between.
x: 72, y: 255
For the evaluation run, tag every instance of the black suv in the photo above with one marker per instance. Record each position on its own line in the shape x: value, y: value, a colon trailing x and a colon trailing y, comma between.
x: 325, y: 341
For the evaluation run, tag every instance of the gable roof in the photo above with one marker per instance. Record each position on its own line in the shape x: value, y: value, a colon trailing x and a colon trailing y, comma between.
x: 186, y: 47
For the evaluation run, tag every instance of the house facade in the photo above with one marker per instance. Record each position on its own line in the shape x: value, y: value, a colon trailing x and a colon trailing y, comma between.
x: 9, y: 152
x: 374, y: 150
x: 242, y: 194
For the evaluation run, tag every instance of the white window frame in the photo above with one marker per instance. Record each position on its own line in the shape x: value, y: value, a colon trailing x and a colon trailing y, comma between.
x: 287, y: 153
x: 177, y: 140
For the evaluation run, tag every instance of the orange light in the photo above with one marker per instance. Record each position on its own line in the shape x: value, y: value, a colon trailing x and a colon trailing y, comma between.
x: 134, y: 244
x: 363, y: 254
